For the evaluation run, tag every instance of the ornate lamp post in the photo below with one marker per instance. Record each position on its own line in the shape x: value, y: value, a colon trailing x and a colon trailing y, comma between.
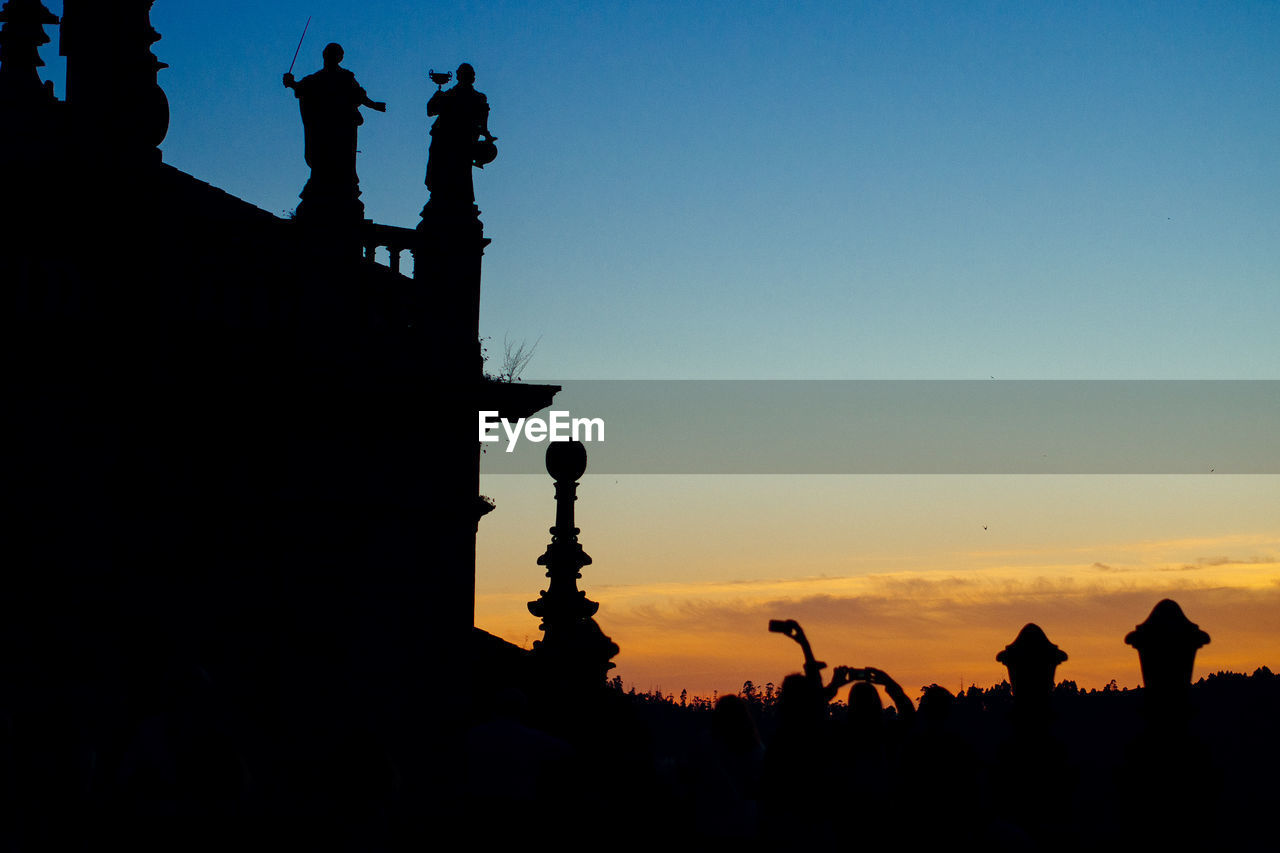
x: 573, y: 649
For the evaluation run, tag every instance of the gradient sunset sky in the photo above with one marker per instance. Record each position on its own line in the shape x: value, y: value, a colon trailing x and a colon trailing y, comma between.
x: 831, y: 191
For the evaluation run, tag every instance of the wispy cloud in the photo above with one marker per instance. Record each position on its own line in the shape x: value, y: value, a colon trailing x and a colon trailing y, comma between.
x: 1230, y: 561
x: 943, y: 625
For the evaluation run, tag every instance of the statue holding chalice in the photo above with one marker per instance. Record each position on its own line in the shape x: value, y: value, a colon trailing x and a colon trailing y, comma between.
x: 460, y: 140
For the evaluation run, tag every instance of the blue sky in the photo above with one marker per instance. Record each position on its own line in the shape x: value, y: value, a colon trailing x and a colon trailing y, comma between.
x: 829, y: 190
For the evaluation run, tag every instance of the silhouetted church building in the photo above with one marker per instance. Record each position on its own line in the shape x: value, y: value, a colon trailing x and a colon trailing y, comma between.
x: 242, y: 456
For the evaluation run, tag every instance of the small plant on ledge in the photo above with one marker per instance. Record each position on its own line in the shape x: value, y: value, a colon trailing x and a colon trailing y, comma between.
x: 515, y: 358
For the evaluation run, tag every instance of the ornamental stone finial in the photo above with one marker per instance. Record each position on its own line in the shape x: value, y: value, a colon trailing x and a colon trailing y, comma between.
x: 112, y: 76
x: 21, y: 37
x: 1032, y: 662
x: 1167, y: 644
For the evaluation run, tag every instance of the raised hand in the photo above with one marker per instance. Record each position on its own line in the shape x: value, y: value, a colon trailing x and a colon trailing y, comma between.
x: 786, y: 627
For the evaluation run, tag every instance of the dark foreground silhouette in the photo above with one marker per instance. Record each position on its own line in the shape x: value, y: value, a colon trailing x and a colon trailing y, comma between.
x: 237, y: 603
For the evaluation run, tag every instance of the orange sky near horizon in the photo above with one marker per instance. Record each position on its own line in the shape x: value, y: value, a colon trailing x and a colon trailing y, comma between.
x: 927, y: 577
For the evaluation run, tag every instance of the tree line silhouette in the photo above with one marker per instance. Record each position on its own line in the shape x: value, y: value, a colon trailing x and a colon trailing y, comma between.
x: 762, y: 699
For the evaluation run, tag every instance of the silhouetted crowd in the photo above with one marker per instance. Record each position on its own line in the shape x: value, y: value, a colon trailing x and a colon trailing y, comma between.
x: 1026, y: 765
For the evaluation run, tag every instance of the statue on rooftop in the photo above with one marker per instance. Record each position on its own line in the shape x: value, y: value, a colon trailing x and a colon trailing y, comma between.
x: 462, y: 122
x: 330, y: 102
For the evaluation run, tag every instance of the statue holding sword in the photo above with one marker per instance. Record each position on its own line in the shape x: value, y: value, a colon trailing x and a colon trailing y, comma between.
x: 330, y: 101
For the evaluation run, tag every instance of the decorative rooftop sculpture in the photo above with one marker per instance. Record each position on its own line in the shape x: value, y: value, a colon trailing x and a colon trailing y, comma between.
x: 112, y: 79
x: 20, y: 41
x: 460, y: 140
x: 330, y: 101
